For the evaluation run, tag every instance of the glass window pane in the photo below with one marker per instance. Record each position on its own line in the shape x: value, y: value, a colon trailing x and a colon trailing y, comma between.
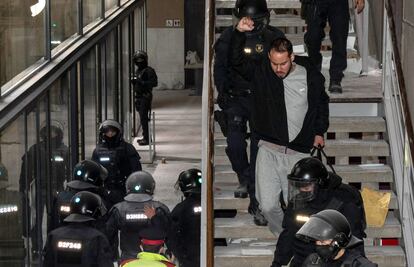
x: 138, y: 33
x: 109, y: 4
x: 64, y: 20
x: 12, y: 148
x: 59, y: 133
x: 111, y: 78
x: 33, y: 181
x: 89, y: 94
x: 91, y: 11
x: 22, y: 38
x: 126, y: 115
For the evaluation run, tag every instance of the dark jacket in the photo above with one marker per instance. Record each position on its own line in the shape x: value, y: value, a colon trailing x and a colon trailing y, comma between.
x: 124, y: 160
x: 289, y: 246
x: 128, y: 218
x: 146, y: 79
x: 77, y: 245
x: 184, y: 236
x: 269, y: 117
x: 227, y: 79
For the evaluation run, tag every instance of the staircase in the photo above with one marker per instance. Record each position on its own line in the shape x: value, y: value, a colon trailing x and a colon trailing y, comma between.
x: 355, y: 144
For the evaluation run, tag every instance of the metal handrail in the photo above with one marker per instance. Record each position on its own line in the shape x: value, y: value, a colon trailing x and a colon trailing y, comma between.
x: 207, y: 146
x: 400, y: 130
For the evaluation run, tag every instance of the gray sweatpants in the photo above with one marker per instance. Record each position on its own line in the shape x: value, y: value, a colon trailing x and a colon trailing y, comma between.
x: 272, y: 167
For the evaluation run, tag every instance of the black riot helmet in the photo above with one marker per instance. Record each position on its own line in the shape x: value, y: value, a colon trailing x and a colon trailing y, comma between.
x: 85, y: 206
x: 88, y: 174
x: 56, y: 131
x: 328, y: 225
x: 140, y: 186
x: 107, y: 126
x: 140, y: 59
x: 254, y: 9
x: 307, y: 176
x: 189, y: 181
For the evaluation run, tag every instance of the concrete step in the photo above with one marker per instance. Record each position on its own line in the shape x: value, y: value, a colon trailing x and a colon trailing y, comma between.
x: 224, y: 199
x: 242, y: 226
x: 296, y: 39
x: 363, y: 124
x: 270, y: 3
x: 277, y: 20
x: 261, y: 255
x: 367, y: 173
x: 333, y: 148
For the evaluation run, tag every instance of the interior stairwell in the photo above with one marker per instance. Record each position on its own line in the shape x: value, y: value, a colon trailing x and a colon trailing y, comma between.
x: 356, y: 144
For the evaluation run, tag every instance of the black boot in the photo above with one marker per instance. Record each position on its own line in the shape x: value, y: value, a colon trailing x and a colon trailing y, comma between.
x: 241, y: 191
x: 258, y: 217
x: 335, y: 87
x: 143, y: 142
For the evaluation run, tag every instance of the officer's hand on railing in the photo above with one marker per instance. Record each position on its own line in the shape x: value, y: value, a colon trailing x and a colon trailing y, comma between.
x: 246, y: 24
x: 149, y: 212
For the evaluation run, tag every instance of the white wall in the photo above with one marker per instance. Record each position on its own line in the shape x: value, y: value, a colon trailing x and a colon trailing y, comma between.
x: 166, y: 55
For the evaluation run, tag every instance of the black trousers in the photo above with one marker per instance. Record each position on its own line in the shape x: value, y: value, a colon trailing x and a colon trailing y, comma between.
x: 143, y: 106
x: 238, y: 115
x: 336, y: 12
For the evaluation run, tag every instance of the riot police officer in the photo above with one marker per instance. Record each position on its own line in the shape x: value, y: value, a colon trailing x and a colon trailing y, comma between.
x: 10, y: 214
x: 117, y: 156
x: 316, y: 13
x: 33, y: 182
x: 144, y: 80
x: 311, y: 188
x: 332, y: 234
x: 78, y: 243
x: 137, y: 212
x: 234, y: 97
x: 184, y: 237
x: 87, y: 176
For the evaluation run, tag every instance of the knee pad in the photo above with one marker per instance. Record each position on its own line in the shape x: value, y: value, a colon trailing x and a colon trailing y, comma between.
x: 237, y: 123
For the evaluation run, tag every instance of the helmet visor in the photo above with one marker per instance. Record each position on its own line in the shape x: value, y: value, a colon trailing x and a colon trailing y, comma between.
x: 316, y: 229
x: 301, y: 192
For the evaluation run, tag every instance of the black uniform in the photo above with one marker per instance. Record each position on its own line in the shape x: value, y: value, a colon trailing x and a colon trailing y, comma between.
x: 146, y: 79
x: 77, y: 245
x: 234, y: 98
x: 336, y: 12
x: 120, y: 161
x: 351, y: 258
x: 61, y: 206
x: 35, y: 189
x: 184, y: 237
x: 128, y: 217
x: 336, y: 196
